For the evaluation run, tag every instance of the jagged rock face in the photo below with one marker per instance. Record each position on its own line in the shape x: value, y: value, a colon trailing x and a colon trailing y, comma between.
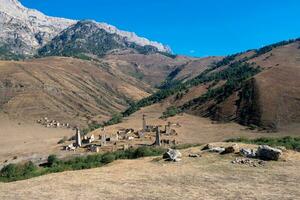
x: 89, y: 37
x: 25, y: 30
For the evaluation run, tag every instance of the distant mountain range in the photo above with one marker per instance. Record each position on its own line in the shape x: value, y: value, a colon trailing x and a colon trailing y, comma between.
x: 85, y: 71
x: 24, y: 31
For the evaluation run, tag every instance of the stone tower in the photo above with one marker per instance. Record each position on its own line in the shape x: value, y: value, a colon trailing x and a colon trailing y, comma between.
x: 157, y: 139
x: 144, y: 122
x: 168, y: 128
x: 78, y: 138
x: 103, y: 140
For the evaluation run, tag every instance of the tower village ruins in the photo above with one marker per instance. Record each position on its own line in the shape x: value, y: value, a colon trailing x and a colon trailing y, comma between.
x: 124, y: 138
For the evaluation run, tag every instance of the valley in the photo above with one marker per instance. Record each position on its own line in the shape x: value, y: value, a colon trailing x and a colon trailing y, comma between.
x: 91, y: 111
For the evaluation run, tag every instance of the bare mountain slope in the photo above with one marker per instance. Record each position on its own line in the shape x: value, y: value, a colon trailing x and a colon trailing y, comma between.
x: 155, y: 68
x: 67, y: 89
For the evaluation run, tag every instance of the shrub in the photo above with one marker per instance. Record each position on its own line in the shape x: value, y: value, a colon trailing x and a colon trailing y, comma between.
x: 18, y: 171
x: 108, y: 158
x: 52, y: 159
x: 116, y: 118
x: 288, y: 142
x: 170, y: 112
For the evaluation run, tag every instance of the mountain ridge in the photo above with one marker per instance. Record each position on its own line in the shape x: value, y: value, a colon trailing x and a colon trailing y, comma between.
x: 26, y: 30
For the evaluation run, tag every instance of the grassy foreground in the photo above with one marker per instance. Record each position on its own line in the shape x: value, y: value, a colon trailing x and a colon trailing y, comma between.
x: 292, y: 143
x: 15, y: 172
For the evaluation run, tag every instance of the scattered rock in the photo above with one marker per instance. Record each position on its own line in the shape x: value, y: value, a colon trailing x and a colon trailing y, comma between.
x: 194, y: 155
x: 249, y: 153
x: 172, y: 155
x: 249, y: 162
x: 266, y: 152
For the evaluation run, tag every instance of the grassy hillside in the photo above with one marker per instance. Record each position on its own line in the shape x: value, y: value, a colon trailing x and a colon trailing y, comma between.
x: 230, y: 90
x: 66, y: 89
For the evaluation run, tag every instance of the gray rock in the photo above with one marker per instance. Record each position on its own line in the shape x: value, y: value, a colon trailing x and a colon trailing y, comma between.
x: 266, y: 152
x: 217, y: 149
x: 172, y: 155
x: 249, y: 153
x: 194, y: 155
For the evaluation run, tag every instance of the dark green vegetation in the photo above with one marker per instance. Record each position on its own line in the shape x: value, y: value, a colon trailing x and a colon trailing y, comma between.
x: 170, y: 112
x: 269, y: 48
x: 15, y: 172
x: 235, y: 72
x: 288, y: 142
x: 171, y: 88
x: 235, y: 75
x: 83, y: 37
x: 6, y: 54
x: 185, y: 146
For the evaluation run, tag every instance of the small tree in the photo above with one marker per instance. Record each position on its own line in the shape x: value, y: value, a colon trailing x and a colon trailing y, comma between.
x: 52, y: 159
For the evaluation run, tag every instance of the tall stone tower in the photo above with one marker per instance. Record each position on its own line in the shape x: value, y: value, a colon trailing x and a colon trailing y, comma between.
x: 144, y: 122
x: 157, y: 139
x: 78, y: 138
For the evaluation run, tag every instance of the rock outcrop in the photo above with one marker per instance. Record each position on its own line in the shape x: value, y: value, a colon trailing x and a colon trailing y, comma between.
x: 266, y: 152
x: 25, y: 30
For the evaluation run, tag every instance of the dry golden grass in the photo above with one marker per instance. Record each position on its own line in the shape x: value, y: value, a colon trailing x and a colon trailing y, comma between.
x: 211, y: 176
x: 27, y: 141
x: 193, y: 129
x: 66, y: 89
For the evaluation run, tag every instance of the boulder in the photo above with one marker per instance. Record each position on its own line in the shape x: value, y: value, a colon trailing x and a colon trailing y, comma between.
x: 217, y: 149
x: 172, y: 155
x: 194, y: 155
x: 207, y: 147
x: 266, y: 152
x: 249, y: 153
x: 231, y: 149
x: 211, y: 148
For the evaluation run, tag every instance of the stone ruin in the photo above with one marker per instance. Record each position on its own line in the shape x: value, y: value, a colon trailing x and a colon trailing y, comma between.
x: 52, y: 123
x: 103, y: 140
x: 123, y: 135
x: 87, y: 140
x: 94, y: 148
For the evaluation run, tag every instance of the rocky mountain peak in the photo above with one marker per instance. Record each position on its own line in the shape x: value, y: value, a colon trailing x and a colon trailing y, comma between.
x: 25, y: 30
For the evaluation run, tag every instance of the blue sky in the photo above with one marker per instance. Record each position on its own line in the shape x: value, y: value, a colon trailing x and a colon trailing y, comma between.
x: 190, y: 27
